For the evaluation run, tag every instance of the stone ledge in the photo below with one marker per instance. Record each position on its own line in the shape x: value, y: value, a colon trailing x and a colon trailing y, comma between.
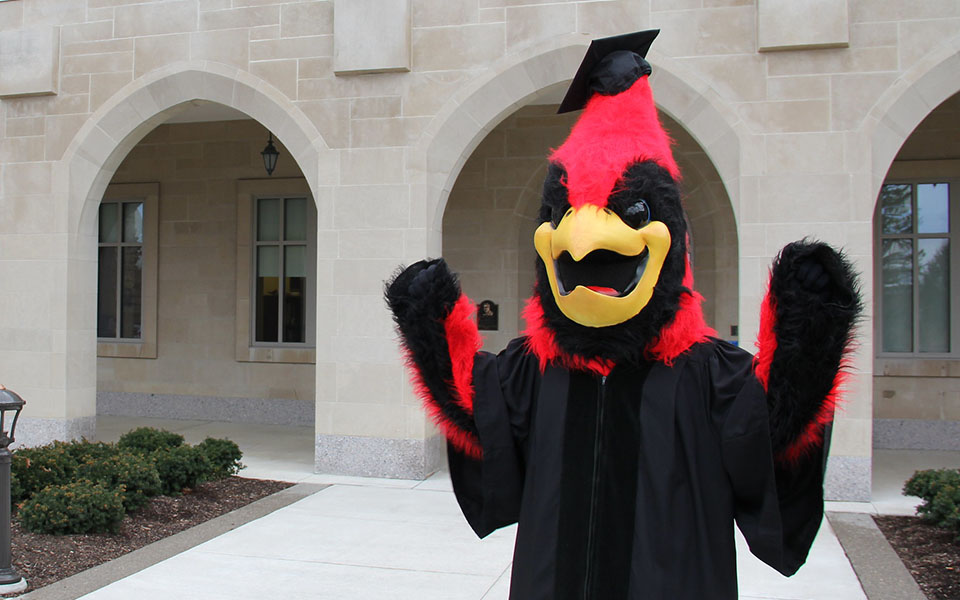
x: 379, y: 457
x: 882, y: 575
x: 848, y: 479
x: 916, y: 434
x: 33, y: 431
x: 273, y: 411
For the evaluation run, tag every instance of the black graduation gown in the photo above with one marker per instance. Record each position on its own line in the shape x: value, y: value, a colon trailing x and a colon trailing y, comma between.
x: 627, y: 486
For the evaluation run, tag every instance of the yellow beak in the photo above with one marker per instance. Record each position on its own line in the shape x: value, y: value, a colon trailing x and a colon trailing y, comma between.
x: 590, y: 228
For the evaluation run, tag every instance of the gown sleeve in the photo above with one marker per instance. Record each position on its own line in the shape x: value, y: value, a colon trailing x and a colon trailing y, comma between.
x: 778, y: 506
x: 489, y: 489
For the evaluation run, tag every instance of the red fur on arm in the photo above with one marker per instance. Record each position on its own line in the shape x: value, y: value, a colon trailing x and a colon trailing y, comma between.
x: 812, y: 435
x: 463, y: 342
x: 766, y: 341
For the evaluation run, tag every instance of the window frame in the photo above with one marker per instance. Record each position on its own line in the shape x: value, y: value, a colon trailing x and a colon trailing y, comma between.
x: 247, y: 348
x: 146, y: 346
x: 914, y: 174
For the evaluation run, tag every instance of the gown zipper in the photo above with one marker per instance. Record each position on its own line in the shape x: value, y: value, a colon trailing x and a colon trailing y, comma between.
x: 597, y: 447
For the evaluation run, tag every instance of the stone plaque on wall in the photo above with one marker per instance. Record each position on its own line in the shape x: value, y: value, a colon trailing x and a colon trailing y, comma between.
x: 488, y: 316
x: 371, y: 36
x: 29, y: 61
x: 802, y: 24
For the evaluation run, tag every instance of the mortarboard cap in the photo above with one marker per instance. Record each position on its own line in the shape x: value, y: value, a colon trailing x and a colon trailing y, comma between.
x: 622, y: 59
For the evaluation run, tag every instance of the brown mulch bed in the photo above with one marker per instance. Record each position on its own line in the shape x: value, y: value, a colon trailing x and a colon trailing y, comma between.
x: 43, y: 559
x: 929, y: 553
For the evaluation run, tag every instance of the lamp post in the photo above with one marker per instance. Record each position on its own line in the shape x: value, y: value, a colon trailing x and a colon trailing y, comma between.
x: 10, y: 405
x: 270, y: 154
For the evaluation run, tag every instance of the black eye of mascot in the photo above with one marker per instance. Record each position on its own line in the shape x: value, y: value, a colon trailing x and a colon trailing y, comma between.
x: 621, y: 435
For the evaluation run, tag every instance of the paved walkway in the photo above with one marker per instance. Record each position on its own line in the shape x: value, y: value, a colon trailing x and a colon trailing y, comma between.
x: 386, y: 539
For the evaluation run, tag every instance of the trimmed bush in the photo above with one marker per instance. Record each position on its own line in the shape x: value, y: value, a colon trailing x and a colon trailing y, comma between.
x: 36, y: 468
x: 16, y: 490
x: 84, y: 450
x: 147, y: 439
x: 83, y: 486
x: 224, y: 456
x: 940, y: 491
x: 78, y: 507
x: 135, y: 474
x: 181, y: 467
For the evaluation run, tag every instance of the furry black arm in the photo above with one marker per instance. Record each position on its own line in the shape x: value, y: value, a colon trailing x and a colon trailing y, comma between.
x: 813, y: 303
x: 421, y: 298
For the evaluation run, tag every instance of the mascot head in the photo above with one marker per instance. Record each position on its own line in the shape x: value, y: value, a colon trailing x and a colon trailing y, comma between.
x: 612, y: 268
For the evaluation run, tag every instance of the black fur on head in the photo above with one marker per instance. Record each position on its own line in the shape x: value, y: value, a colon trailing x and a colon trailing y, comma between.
x: 624, y: 342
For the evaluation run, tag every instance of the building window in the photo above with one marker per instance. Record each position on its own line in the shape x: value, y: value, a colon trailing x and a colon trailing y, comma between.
x: 917, y: 248
x: 276, y: 271
x: 127, y: 271
x: 120, y: 273
x: 280, y: 263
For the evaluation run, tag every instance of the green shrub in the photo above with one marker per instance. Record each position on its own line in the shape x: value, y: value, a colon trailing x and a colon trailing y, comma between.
x: 16, y: 490
x: 36, y: 468
x: 224, y: 456
x: 136, y: 474
x: 84, y: 450
x: 940, y: 491
x: 147, y: 439
x: 181, y: 467
x: 78, y: 507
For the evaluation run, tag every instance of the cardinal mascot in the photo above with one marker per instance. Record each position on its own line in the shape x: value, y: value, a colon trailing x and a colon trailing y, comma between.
x: 618, y: 431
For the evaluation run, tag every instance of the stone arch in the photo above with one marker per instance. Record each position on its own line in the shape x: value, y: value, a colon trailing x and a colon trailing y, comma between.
x: 116, y: 127
x: 518, y: 80
x: 95, y: 153
x: 899, y: 110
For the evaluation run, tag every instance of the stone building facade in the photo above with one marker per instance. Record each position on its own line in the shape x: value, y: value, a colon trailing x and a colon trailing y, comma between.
x: 141, y: 238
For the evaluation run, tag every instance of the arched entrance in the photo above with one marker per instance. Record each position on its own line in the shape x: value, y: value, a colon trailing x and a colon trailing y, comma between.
x: 914, y: 200
x: 105, y: 164
x: 471, y: 126
x: 492, y: 212
x: 541, y: 72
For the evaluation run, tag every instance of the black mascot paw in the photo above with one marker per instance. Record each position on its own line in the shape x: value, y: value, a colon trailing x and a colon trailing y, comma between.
x: 425, y: 290
x: 808, y: 271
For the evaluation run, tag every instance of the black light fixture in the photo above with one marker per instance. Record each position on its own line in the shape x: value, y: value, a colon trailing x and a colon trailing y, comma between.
x: 10, y: 405
x: 270, y: 155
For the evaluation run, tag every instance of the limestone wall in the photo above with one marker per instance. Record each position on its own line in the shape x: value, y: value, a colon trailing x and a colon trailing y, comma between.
x: 799, y: 107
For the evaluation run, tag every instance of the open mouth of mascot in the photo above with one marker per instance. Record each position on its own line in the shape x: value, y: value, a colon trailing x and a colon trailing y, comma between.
x: 601, y: 270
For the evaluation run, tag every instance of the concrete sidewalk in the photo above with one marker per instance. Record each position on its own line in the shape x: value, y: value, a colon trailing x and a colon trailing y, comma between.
x: 360, y: 538
x: 375, y: 539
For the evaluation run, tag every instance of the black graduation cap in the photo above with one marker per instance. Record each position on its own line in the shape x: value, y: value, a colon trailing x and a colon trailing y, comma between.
x: 623, y: 63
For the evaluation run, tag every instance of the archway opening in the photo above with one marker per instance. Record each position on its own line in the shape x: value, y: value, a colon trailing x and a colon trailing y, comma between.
x: 207, y: 269
x: 492, y: 209
x: 206, y: 290
x: 916, y: 308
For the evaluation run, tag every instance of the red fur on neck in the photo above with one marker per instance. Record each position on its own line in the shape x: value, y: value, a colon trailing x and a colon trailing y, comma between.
x: 686, y: 329
x: 613, y: 133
